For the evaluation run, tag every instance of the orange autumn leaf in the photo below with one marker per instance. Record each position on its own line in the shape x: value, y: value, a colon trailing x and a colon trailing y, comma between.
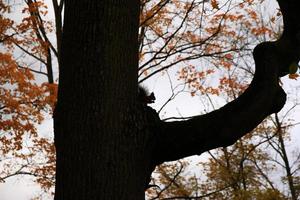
x: 214, y: 4
x: 293, y: 76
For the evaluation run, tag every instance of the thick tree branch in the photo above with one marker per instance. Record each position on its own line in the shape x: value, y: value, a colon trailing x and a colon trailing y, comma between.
x: 264, y: 96
x: 288, y: 46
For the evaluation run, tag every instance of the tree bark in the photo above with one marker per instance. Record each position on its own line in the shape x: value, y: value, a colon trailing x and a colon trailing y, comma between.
x: 100, y: 154
x: 107, y: 142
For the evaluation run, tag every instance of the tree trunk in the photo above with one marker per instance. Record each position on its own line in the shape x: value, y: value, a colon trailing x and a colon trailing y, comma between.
x: 101, y: 153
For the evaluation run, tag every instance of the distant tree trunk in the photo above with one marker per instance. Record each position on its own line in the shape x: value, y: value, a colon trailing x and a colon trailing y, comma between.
x: 283, y: 154
x: 107, y: 142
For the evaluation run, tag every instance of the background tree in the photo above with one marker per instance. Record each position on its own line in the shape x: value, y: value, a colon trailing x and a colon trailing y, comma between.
x: 28, y: 91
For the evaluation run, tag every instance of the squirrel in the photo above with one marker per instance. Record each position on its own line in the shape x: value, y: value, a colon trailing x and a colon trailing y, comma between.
x: 144, y: 96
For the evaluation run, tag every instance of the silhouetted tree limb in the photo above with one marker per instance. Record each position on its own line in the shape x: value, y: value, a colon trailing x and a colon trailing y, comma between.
x: 263, y: 97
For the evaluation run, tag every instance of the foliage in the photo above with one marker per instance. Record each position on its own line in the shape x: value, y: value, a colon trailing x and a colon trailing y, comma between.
x: 24, y: 99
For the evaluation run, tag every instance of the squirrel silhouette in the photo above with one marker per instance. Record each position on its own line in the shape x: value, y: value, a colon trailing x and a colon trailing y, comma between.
x: 144, y: 96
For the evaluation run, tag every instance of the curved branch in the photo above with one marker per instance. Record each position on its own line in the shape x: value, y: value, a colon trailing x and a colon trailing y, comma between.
x: 264, y: 96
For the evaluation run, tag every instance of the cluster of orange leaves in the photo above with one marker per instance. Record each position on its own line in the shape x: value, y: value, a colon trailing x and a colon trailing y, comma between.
x: 196, y: 79
x: 22, y: 104
x: 232, y: 30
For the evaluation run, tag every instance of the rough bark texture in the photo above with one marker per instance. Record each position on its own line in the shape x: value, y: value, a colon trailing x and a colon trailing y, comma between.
x: 99, y: 153
x: 107, y: 143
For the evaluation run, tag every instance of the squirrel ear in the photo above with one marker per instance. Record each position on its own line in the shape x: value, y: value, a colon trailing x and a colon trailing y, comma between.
x: 152, y: 96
